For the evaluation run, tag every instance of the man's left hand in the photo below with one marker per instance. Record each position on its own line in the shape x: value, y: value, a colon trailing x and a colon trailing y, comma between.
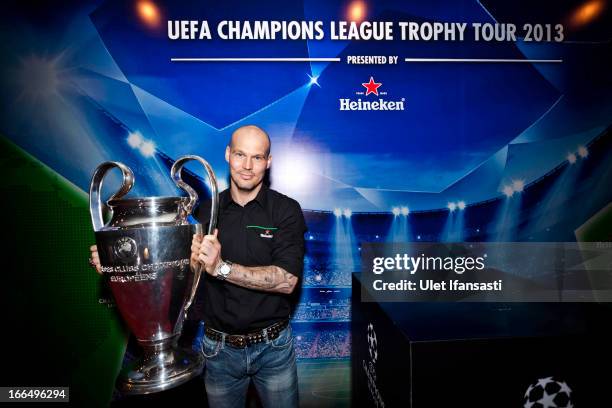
x: 210, y: 252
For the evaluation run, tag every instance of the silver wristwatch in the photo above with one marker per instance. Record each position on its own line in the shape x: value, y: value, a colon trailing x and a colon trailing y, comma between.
x: 223, y: 270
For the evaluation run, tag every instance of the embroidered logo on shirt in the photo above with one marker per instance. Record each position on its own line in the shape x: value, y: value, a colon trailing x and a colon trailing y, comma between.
x: 266, y: 234
x: 267, y: 231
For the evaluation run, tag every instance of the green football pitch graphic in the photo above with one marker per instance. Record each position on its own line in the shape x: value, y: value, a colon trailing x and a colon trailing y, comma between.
x: 63, y: 332
x: 325, y: 383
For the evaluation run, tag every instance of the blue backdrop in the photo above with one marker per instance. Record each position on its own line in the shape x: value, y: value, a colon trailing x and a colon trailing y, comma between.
x: 481, y: 151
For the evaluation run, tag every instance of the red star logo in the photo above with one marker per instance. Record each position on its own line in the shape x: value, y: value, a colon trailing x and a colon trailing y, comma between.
x: 372, y: 87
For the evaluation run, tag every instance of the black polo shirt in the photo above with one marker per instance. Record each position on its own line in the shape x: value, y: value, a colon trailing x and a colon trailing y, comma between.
x: 268, y: 230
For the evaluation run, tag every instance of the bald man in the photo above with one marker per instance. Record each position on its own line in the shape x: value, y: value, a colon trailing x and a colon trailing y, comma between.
x: 253, y: 261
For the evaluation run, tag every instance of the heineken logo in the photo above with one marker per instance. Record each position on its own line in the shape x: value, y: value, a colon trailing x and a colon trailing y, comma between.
x: 265, y: 232
x: 369, y: 104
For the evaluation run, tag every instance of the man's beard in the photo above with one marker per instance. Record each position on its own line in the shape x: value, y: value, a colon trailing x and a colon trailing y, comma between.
x: 246, y: 188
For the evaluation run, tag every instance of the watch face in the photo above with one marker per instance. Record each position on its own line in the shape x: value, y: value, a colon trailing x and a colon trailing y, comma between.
x: 225, y: 269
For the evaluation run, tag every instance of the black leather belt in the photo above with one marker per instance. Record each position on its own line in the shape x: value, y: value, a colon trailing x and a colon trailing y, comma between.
x: 244, y: 340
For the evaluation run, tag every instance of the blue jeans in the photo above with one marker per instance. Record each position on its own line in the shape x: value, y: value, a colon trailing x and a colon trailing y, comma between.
x: 271, y: 365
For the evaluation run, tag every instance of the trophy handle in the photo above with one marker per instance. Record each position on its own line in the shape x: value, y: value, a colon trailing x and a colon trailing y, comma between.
x: 175, y: 172
x: 95, y: 202
x: 196, y: 278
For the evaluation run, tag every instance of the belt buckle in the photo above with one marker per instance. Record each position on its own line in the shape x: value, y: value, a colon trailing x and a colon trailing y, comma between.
x: 237, y: 339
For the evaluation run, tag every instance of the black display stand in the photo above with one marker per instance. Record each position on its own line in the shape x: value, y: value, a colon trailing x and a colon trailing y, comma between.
x: 478, y: 354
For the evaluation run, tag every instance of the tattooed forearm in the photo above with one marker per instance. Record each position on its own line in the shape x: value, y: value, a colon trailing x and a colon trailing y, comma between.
x: 266, y: 278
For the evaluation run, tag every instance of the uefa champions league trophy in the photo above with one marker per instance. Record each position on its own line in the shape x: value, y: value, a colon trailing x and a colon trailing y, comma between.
x: 145, y: 252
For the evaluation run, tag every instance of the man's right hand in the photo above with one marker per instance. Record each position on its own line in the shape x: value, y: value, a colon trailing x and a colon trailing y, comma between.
x: 196, y: 242
x: 94, y: 261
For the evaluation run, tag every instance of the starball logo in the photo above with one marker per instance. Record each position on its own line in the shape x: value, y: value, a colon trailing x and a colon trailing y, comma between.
x: 370, y: 367
x: 370, y: 104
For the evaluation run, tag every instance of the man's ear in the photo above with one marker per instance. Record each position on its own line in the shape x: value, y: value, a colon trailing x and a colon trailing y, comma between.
x: 269, y: 161
x: 227, y: 153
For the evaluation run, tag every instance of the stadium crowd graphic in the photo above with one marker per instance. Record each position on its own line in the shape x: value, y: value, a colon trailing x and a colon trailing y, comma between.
x: 547, y: 210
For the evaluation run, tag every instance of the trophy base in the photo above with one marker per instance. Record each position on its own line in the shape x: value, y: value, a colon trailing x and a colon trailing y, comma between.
x: 160, y: 371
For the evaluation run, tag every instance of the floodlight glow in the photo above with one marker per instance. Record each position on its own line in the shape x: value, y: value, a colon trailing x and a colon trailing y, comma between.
x: 148, y: 13
x: 461, y: 205
x: 508, y: 191
x: 405, y: 211
x: 293, y: 171
x: 147, y: 149
x: 347, y: 212
x: 451, y: 206
x: 586, y: 13
x: 395, y: 211
x: 135, y: 140
x: 337, y: 212
x: 357, y: 11
x: 571, y: 158
x: 518, y: 185
x: 583, y: 152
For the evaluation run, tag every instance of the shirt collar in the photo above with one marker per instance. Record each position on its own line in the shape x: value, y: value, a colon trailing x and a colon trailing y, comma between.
x: 225, y: 198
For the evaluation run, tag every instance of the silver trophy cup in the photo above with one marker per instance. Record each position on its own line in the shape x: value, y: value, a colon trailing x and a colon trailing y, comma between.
x: 145, y: 251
